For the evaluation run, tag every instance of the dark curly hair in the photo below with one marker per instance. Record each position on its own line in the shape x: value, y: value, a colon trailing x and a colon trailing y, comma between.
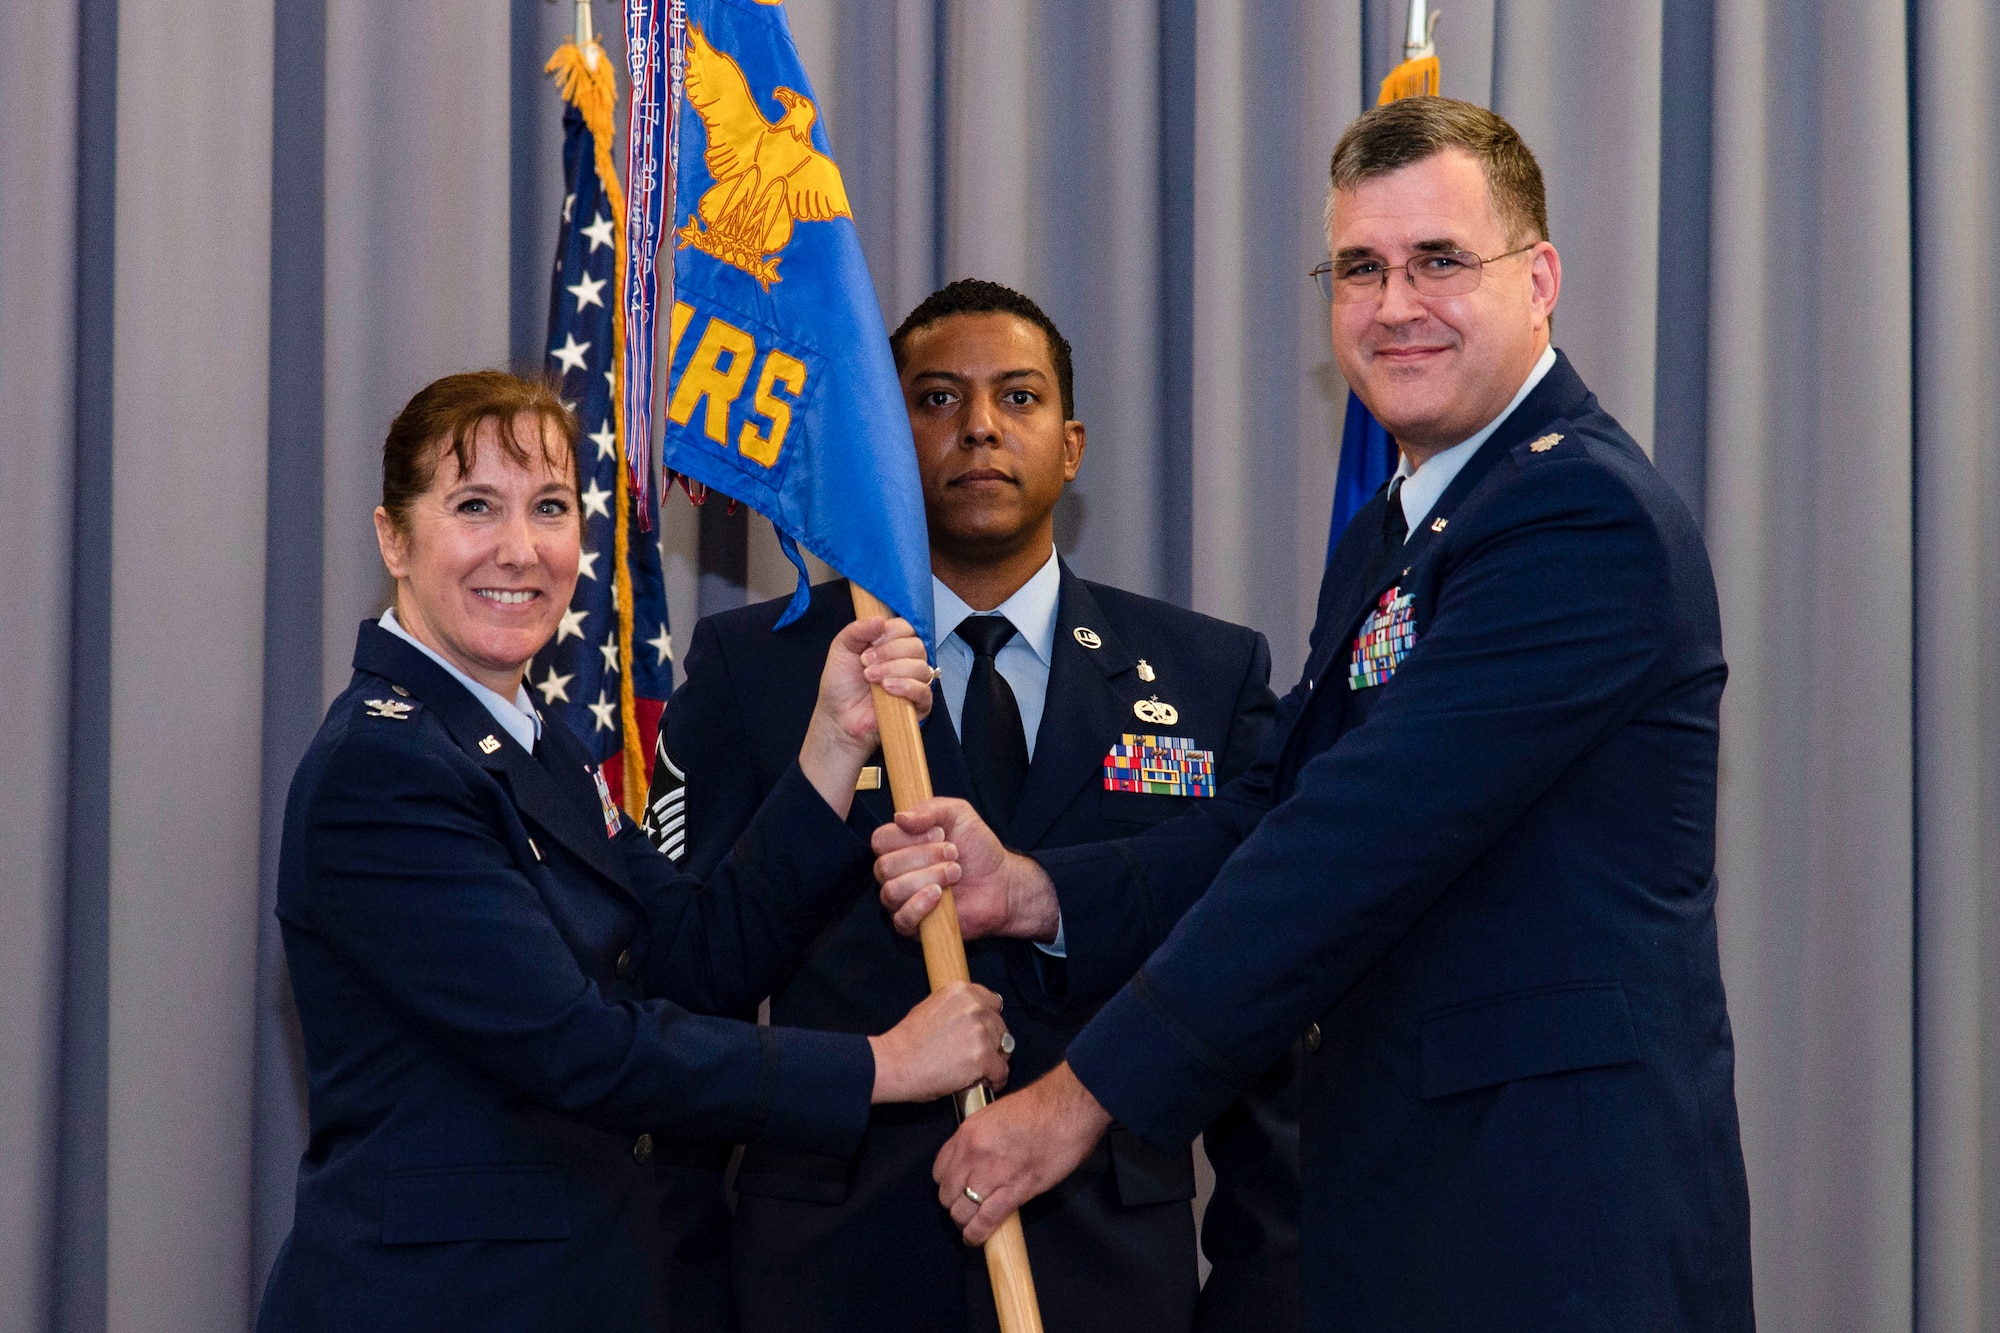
x: 976, y: 296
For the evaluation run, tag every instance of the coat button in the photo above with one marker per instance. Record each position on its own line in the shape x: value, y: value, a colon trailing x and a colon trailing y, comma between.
x: 1312, y: 1039
x: 624, y: 963
x: 642, y: 1151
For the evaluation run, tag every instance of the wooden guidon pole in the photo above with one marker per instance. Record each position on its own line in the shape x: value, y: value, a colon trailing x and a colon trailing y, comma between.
x: 944, y: 960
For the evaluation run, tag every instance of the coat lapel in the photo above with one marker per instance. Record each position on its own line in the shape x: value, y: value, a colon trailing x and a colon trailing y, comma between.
x: 554, y: 787
x: 1090, y: 696
x: 1350, y: 595
x: 1561, y: 393
x: 949, y: 776
x: 563, y: 807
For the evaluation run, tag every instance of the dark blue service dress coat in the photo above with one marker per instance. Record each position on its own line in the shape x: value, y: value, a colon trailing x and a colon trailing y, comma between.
x: 1484, y: 891
x: 855, y: 1240
x: 501, y: 992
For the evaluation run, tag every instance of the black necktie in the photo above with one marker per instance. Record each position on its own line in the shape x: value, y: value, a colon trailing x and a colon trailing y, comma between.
x: 1395, y: 531
x: 996, y: 747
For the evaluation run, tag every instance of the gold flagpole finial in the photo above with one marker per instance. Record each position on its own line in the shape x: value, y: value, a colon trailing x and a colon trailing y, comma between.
x: 1417, y: 76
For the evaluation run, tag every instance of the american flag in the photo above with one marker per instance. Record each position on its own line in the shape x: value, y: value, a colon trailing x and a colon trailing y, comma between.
x: 578, y: 676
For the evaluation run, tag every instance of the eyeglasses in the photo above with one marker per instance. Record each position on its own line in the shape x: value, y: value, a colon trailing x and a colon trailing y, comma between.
x: 1433, y: 273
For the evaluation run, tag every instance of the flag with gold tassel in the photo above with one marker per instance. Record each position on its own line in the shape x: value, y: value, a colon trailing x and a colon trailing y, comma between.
x: 1367, y: 453
x: 609, y: 669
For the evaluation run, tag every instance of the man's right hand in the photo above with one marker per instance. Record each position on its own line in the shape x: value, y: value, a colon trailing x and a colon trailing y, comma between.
x: 943, y: 843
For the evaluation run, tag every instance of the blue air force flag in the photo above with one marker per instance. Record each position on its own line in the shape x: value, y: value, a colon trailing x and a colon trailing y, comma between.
x: 783, y: 392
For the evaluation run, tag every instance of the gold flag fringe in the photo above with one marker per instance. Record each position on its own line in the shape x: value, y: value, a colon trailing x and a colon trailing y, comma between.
x: 587, y: 81
x: 1412, y: 78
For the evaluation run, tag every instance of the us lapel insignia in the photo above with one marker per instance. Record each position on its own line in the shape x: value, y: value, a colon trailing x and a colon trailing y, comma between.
x: 604, y: 798
x: 1385, y: 640
x: 1145, y: 670
x: 1437, y: 525
x: 488, y: 744
x: 1546, y: 443
x: 1155, y: 712
x: 1159, y: 766
x: 1087, y: 637
x: 393, y: 709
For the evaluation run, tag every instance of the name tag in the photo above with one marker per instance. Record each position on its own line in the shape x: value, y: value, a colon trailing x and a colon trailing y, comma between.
x: 870, y: 779
x: 1159, y: 766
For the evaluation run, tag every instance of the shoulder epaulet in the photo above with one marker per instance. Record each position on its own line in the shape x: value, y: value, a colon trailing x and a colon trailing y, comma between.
x: 1558, y: 440
x: 395, y: 705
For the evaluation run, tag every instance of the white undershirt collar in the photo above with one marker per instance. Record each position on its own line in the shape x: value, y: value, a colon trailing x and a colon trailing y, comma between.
x: 517, y: 717
x: 1423, y: 487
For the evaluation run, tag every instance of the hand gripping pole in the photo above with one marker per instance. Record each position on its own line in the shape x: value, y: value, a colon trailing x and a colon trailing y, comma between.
x: 944, y: 960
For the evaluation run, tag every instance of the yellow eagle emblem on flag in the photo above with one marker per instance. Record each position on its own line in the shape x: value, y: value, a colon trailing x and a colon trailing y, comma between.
x: 767, y: 176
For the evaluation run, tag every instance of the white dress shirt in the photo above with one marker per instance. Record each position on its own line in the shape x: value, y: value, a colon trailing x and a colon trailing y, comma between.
x: 1423, y: 487
x: 517, y: 718
x: 1023, y: 661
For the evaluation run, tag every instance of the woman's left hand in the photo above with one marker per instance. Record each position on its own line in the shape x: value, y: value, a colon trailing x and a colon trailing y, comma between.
x: 843, y: 732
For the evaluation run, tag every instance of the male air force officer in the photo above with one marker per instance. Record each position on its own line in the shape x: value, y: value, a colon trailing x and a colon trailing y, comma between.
x: 1474, y: 862
x: 1073, y: 712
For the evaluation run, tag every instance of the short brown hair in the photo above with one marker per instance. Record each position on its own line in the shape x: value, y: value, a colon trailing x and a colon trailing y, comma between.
x: 1388, y: 138
x: 445, y: 417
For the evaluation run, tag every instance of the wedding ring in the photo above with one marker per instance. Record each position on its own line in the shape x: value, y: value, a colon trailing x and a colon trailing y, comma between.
x: 974, y: 1195
x: 1006, y: 1043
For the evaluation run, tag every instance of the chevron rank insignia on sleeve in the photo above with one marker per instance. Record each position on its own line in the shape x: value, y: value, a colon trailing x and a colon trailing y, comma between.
x: 665, y: 819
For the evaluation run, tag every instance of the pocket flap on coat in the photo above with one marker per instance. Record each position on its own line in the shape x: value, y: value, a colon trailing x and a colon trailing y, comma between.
x: 771, y: 1172
x: 475, y: 1203
x: 1549, y: 1031
x: 1139, y: 807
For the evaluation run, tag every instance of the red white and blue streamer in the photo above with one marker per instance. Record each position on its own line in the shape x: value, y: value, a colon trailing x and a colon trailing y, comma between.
x: 655, y: 44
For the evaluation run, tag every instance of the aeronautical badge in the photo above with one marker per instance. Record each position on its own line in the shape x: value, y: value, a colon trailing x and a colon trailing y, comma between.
x: 393, y: 709
x: 604, y: 799
x: 1385, y: 640
x: 1159, y: 766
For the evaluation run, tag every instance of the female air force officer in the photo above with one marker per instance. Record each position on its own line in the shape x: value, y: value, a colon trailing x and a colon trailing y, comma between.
x: 500, y: 983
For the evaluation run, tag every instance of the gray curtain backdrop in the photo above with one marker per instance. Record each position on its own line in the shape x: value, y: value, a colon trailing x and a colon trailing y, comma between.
x: 236, y: 234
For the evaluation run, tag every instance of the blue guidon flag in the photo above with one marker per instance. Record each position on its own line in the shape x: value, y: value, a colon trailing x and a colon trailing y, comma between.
x: 609, y: 669
x: 782, y: 393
